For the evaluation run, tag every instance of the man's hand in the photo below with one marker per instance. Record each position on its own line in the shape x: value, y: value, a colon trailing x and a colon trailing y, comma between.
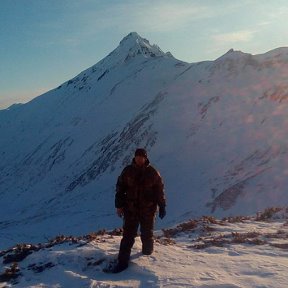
x: 120, y: 212
x: 162, y: 211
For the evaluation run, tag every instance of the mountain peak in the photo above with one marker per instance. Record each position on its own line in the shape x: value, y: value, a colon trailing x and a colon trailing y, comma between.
x: 130, y: 47
x: 132, y: 36
x: 133, y: 44
x: 233, y: 54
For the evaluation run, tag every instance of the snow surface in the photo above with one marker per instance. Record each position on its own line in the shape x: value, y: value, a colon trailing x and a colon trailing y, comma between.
x: 258, y: 259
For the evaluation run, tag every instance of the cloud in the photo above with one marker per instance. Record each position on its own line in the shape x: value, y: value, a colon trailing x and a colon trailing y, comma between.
x: 171, y: 16
x: 94, y: 18
x: 234, y: 37
x: 148, y: 16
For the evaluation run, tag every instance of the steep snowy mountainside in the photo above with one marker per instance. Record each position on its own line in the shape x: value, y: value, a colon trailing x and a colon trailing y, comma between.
x: 251, y: 122
x: 230, y: 148
x: 216, y: 130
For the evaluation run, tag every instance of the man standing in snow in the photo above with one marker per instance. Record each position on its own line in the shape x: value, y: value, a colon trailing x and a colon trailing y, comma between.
x: 139, y: 191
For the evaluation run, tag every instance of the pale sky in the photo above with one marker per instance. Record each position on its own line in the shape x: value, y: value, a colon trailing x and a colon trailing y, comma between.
x: 44, y: 43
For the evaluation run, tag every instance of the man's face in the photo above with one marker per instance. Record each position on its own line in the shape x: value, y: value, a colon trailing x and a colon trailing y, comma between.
x: 140, y: 160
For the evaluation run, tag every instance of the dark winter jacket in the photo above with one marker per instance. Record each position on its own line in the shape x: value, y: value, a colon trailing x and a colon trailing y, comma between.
x: 140, y: 189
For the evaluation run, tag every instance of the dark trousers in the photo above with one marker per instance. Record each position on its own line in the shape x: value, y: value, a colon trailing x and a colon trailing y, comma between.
x: 130, y: 228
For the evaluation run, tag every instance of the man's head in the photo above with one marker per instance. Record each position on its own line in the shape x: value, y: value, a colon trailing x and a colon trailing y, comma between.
x: 140, y: 156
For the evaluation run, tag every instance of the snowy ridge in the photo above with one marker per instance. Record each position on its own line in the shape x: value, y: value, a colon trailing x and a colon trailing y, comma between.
x: 207, y: 252
x: 215, y: 130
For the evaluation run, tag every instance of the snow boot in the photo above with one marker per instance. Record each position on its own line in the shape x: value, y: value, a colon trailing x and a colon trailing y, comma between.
x: 147, y: 252
x: 119, y: 267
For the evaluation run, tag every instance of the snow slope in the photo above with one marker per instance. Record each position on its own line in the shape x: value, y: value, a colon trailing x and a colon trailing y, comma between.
x: 236, y: 252
x: 216, y: 130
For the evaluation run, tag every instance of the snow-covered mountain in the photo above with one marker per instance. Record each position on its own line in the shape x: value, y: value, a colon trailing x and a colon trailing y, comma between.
x: 216, y: 130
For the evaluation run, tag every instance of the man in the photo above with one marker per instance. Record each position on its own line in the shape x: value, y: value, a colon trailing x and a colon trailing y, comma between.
x: 139, y: 191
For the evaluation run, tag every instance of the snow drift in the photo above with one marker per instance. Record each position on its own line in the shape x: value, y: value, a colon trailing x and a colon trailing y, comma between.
x: 207, y: 252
